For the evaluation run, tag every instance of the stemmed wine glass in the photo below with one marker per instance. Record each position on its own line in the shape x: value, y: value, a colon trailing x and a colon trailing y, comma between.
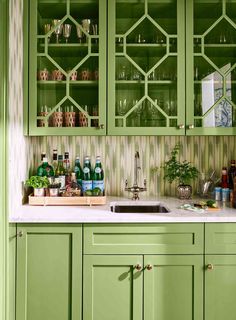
x: 58, y: 30
x: 66, y: 31
x: 79, y: 33
x: 47, y: 28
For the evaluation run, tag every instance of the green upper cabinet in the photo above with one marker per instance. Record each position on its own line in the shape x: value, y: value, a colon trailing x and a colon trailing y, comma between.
x: 211, y: 67
x: 136, y: 67
x: 146, y: 67
x: 67, y: 67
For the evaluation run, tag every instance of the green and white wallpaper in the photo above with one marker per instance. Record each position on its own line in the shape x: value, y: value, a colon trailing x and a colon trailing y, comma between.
x: 117, y: 152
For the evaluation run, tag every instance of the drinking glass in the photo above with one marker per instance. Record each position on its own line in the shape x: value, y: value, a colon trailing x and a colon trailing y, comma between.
x: 58, y: 30
x: 47, y: 28
x: 79, y: 33
x: 86, y: 25
x: 66, y: 31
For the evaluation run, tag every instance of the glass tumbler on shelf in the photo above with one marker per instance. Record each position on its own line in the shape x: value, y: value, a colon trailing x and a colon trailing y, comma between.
x: 57, y: 118
x: 44, y: 111
x: 69, y: 116
x: 83, y: 117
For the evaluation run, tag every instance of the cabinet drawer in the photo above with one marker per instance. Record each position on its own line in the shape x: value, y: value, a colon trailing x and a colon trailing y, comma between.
x: 143, y: 239
x: 220, y: 238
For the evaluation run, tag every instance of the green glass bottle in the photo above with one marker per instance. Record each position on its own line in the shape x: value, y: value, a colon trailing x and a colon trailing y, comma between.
x: 98, y: 175
x: 45, y: 169
x: 78, y: 171
x: 60, y: 173
x: 87, y: 182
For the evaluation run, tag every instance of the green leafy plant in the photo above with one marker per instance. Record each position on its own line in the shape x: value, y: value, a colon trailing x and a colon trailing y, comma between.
x: 183, y: 171
x: 37, y: 182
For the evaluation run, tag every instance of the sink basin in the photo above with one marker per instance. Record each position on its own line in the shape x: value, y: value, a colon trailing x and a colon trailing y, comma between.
x: 138, y: 207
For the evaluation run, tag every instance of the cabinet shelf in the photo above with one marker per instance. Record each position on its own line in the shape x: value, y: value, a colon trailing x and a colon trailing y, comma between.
x: 72, y: 83
x: 69, y: 49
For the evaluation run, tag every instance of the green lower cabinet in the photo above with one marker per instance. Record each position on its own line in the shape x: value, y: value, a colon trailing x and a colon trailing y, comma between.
x: 49, y: 272
x: 173, y: 287
x: 220, y: 287
x: 112, y: 287
x: 166, y: 288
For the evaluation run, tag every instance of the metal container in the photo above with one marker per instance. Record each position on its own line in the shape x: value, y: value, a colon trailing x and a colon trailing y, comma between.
x: 218, y: 193
x: 53, y: 192
x: 184, y: 191
x: 39, y: 192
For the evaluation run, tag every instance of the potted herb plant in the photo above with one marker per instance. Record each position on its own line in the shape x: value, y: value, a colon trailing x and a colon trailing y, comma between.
x: 39, y: 184
x: 183, y: 172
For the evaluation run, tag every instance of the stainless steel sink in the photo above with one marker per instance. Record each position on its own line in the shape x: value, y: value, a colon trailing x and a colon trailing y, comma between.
x: 138, y: 207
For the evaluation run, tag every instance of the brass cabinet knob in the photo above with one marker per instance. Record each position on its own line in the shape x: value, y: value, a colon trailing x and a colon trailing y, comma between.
x: 149, y: 267
x: 138, y: 267
x: 101, y: 126
x: 210, y: 266
x: 191, y: 126
x: 181, y: 126
x: 19, y: 234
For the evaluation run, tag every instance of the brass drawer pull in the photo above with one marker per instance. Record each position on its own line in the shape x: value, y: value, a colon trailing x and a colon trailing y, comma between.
x: 149, y: 267
x: 138, y: 267
x: 210, y: 266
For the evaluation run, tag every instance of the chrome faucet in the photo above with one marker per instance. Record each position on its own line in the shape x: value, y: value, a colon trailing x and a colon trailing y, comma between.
x: 135, y: 189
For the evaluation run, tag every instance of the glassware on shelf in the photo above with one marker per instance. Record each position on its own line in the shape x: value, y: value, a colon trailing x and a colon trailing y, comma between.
x: 47, y: 28
x: 79, y: 33
x: 57, y: 118
x: 73, y: 75
x: 69, y: 116
x: 58, y: 30
x: 43, y: 75
x: 135, y: 74
x: 122, y: 73
x: 85, y: 74
x: 66, y: 31
x: 83, y: 117
x: 140, y: 38
x: 86, y: 25
x: 44, y: 111
x: 57, y: 75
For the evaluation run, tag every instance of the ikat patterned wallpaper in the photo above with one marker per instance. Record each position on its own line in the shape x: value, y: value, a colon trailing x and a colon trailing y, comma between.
x: 117, y: 152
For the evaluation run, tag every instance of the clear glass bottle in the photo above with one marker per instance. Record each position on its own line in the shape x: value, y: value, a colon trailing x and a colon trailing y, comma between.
x: 67, y: 168
x: 60, y: 172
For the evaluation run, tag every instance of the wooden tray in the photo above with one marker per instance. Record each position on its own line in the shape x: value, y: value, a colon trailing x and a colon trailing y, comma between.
x: 66, y: 201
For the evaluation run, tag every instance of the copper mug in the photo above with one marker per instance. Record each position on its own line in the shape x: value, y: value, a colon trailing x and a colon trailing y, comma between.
x: 43, y: 75
x: 57, y: 75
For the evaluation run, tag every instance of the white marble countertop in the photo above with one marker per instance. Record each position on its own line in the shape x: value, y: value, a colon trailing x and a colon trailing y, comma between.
x: 102, y: 214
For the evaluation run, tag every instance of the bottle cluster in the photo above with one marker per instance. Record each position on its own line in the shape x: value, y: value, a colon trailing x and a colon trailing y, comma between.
x: 226, y: 191
x: 73, y: 179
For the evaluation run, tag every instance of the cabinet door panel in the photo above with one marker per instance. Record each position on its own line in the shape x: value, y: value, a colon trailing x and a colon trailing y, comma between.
x: 220, y: 284
x: 49, y: 273
x: 112, y: 288
x: 210, y: 61
x: 67, y: 67
x: 173, y: 288
x: 146, y: 51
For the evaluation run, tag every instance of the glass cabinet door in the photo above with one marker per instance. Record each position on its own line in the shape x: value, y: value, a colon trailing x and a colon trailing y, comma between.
x: 146, y: 67
x: 211, y: 67
x: 67, y: 65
